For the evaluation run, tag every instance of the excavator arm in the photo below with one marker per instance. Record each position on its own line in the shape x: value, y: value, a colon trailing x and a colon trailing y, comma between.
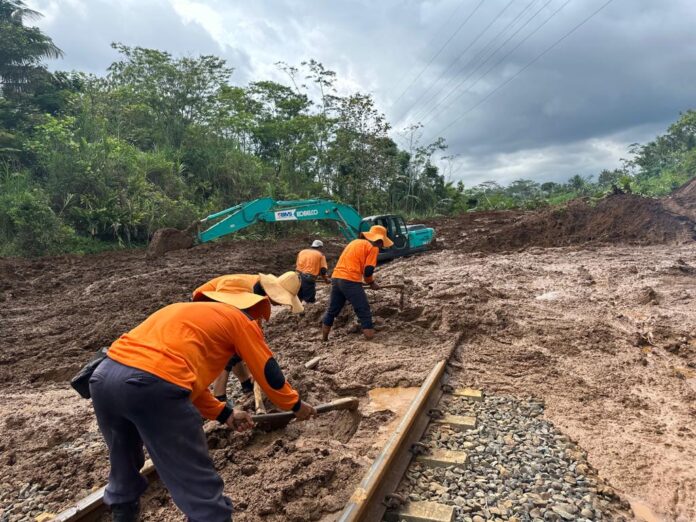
x: 267, y: 210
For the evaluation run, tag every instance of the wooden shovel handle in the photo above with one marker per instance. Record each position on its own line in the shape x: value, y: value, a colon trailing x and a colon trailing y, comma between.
x: 347, y: 403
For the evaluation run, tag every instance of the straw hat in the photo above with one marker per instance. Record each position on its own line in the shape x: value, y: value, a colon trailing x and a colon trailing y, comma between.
x: 283, y: 289
x: 237, y: 290
x: 376, y: 233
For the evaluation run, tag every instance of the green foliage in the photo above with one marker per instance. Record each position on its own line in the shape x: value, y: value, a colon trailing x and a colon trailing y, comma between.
x: 21, y: 48
x: 28, y: 225
x: 94, y: 162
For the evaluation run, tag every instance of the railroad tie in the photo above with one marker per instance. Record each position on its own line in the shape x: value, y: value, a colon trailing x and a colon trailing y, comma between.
x: 421, y: 512
x: 440, y: 458
x: 456, y: 422
x: 468, y: 393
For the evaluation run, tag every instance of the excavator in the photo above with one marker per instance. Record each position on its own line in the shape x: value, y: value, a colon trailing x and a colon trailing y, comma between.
x: 408, y: 239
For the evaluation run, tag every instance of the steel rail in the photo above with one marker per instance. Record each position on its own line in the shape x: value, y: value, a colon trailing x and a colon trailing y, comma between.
x: 92, y: 506
x: 383, y: 477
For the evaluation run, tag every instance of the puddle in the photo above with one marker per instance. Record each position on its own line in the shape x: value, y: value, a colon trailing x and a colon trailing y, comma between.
x: 396, y: 400
x: 644, y: 513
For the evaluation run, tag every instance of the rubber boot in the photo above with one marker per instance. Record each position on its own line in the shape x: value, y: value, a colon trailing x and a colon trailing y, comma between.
x: 369, y: 333
x: 325, y: 332
x: 127, y: 512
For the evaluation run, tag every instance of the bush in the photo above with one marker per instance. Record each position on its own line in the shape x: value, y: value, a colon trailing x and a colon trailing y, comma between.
x: 28, y: 226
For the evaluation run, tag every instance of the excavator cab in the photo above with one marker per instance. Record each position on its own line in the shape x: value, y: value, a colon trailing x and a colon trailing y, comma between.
x: 396, y: 230
x: 407, y: 239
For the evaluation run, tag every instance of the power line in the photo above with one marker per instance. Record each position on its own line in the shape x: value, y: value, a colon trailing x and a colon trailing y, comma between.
x: 426, y: 112
x: 495, y: 19
x: 517, y: 46
x: 526, y: 66
x: 438, y: 52
x: 432, y: 40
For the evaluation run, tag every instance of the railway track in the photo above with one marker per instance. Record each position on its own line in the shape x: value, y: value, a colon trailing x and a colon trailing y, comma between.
x: 375, y: 496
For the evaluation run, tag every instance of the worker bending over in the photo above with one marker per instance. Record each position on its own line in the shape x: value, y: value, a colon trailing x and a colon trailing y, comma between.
x: 153, y: 388
x: 279, y: 290
x: 311, y: 264
x: 356, y: 264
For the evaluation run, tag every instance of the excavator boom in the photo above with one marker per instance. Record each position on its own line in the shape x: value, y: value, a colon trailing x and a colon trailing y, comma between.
x: 267, y: 210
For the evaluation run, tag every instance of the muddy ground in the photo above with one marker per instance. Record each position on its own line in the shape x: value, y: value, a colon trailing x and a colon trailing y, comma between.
x: 603, y: 330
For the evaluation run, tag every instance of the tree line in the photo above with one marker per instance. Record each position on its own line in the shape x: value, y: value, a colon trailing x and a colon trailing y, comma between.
x: 92, y: 162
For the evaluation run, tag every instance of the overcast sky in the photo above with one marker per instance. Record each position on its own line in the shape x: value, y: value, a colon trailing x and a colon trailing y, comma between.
x: 473, y: 71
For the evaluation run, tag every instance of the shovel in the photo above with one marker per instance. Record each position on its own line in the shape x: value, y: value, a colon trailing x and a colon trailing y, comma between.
x: 275, y: 421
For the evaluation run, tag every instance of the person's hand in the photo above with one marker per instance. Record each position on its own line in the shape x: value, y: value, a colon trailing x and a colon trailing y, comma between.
x: 305, y: 412
x: 374, y: 285
x: 239, y: 421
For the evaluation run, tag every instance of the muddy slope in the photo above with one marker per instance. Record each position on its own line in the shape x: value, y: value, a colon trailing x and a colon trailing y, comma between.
x: 617, y: 219
x: 604, y: 335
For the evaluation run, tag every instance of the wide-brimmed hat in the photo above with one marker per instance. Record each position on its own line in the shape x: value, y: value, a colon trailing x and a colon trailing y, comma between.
x: 283, y: 289
x: 376, y: 233
x: 237, y: 290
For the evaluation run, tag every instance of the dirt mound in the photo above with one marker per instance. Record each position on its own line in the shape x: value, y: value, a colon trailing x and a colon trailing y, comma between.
x: 683, y: 200
x: 167, y: 239
x: 622, y: 218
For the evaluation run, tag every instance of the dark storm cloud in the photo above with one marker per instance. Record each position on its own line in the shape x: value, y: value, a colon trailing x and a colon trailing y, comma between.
x: 622, y: 77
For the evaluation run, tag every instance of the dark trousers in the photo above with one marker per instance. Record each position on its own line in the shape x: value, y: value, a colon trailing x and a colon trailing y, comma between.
x: 135, y: 407
x: 308, y: 288
x: 342, y: 291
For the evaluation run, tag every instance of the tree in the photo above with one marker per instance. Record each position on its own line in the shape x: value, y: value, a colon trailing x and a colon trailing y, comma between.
x: 22, y: 48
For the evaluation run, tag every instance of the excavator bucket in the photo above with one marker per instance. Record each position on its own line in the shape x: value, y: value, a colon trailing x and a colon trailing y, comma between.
x: 167, y: 239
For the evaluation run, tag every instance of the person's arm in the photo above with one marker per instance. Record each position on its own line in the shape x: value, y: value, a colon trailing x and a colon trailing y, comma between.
x: 370, y: 264
x: 323, y: 271
x: 210, y: 407
x: 213, y: 409
x: 252, y: 348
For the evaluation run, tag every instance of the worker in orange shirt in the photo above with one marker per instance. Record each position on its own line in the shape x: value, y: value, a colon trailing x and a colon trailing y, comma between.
x: 311, y: 264
x: 356, y: 264
x: 152, y: 389
x: 280, y: 290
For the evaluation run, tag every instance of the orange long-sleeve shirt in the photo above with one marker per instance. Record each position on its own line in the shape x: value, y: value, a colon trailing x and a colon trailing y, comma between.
x: 188, y: 344
x: 357, y: 255
x: 311, y: 261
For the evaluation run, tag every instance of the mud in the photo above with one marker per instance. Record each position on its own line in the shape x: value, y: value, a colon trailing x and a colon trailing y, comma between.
x: 602, y: 329
x: 618, y: 219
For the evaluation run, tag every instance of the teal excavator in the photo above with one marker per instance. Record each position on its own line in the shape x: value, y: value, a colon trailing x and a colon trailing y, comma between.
x: 408, y: 239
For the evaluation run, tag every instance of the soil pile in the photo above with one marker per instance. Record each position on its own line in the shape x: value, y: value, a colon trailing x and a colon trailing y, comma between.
x: 167, y: 239
x: 622, y: 218
x: 683, y: 200
x: 617, y: 219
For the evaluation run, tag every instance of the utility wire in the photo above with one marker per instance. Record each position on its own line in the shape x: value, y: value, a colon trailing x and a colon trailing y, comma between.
x: 453, y: 63
x: 438, y: 52
x: 424, y: 111
x: 514, y: 48
x: 527, y: 66
x: 432, y: 40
